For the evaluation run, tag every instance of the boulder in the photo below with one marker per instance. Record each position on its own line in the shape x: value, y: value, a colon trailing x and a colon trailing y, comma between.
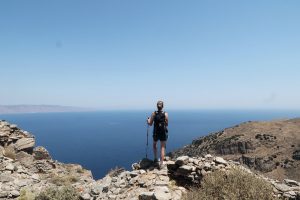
x: 182, y: 160
x: 220, y: 160
x: 185, y: 169
x: 25, y: 144
x: 282, y: 187
x: 10, y: 167
x: 40, y: 153
x: 291, y: 182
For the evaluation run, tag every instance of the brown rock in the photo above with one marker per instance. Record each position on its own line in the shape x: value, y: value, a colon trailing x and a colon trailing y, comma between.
x: 25, y: 144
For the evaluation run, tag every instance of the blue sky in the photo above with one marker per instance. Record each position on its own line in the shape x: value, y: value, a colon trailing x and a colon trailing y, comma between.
x: 128, y: 54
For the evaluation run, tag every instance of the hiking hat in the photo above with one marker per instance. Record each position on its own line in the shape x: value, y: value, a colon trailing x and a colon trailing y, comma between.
x: 160, y: 105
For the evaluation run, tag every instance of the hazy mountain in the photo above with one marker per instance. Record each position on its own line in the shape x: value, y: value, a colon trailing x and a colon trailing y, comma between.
x: 8, y: 109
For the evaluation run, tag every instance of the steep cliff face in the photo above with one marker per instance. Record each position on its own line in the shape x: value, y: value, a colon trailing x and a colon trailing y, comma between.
x: 270, y: 147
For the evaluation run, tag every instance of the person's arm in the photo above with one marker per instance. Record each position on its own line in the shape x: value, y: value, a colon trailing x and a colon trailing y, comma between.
x: 150, y: 120
x: 167, y: 119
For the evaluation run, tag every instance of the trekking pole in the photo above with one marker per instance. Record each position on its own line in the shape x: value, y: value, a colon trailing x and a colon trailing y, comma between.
x: 147, y: 139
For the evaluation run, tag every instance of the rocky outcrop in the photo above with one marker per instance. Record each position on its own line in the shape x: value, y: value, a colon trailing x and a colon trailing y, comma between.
x: 260, y: 164
x: 269, y: 147
x: 25, y: 144
x: 173, y: 181
x: 40, y: 153
x: 13, y: 137
x: 23, y: 167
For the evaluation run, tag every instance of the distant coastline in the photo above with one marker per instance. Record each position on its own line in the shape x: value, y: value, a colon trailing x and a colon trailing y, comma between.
x: 18, y: 109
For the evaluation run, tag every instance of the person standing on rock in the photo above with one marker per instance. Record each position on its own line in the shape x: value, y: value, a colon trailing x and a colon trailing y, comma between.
x: 160, y: 131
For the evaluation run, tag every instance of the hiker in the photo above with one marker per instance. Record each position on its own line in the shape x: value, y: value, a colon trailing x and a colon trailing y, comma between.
x: 160, y: 131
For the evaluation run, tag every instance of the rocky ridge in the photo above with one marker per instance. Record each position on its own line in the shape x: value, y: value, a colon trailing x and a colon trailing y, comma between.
x: 25, y: 167
x: 270, y: 147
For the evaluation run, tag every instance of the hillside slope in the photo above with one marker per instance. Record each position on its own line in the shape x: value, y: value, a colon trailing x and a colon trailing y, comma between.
x: 271, y: 147
x: 29, y: 172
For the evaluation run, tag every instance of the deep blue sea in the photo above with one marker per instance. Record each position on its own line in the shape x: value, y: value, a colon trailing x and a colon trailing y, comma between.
x: 100, y: 141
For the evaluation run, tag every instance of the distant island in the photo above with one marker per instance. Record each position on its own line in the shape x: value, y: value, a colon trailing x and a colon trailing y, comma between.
x: 14, y: 109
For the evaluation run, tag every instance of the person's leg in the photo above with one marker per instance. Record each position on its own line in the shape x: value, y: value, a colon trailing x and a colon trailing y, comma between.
x: 162, y: 151
x: 155, y: 149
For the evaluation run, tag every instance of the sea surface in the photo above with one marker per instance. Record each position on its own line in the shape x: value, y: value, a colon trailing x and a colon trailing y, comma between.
x: 100, y: 141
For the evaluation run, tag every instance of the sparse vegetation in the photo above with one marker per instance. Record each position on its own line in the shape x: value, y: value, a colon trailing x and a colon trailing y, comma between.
x: 9, y: 152
x: 63, y: 180
x: 80, y: 170
x: 54, y: 193
x: 26, y: 194
x: 234, y: 185
x: 116, y: 171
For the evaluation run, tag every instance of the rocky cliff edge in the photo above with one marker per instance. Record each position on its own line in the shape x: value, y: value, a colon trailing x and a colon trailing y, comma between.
x: 24, y: 167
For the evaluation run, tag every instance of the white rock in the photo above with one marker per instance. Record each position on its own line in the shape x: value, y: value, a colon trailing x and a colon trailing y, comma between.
x: 291, y: 182
x: 161, y: 195
x: 185, y: 169
x: 25, y: 143
x: 182, y: 160
x: 35, y: 177
x: 10, y: 167
x: 282, y: 187
x: 15, y: 193
x: 220, y: 160
x: 86, y: 196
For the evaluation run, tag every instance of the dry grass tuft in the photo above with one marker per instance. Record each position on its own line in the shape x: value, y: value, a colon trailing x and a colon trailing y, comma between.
x: 26, y: 194
x: 9, y: 152
x: 63, y: 180
x: 54, y: 193
x: 116, y: 171
x: 235, y: 184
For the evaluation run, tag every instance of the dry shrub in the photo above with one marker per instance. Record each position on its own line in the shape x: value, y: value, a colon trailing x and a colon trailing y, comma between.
x: 55, y: 193
x: 235, y: 184
x: 116, y: 171
x: 80, y: 170
x: 26, y: 194
x: 63, y: 180
x: 9, y: 152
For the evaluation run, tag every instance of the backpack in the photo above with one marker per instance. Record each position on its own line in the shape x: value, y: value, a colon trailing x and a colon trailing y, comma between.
x: 160, y: 123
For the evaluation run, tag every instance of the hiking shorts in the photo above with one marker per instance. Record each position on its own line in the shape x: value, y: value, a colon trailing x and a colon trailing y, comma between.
x: 160, y: 136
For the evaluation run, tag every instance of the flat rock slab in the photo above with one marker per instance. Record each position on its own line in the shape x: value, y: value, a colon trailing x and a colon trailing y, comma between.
x: 185, y: 169
x: 162, y: 195
x: 5, y: 178
x: 220, y: 160
x: 282, y: 187
x: 291, y: 182
x: 25, y: 143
